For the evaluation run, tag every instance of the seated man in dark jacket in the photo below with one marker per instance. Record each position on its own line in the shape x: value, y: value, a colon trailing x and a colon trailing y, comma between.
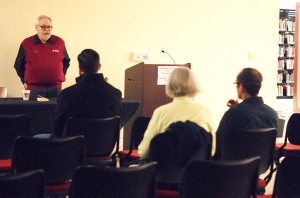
x: 91, y: 96
x: 251, y: 113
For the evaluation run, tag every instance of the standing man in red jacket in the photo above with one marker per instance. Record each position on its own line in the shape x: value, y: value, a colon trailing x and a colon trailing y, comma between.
x: 42, y: 60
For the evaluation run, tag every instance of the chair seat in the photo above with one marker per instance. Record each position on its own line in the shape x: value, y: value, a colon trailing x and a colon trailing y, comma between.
x: 264, y: 196
x: 261, y: 183
x: 99, y: 158
x: 63, y: 186
x: 134, y: 155
x: 166, y: 194
x: 99, y: 161
x: 288, y: 146
x: 5, y: 164
x: 261, y: 186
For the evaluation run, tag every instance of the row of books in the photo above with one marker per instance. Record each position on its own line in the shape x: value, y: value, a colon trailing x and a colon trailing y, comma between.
x: 286, y: 38
x: 286, y: 25
x: 285, y: 78
x: 286, y: 90
x: 286, y: 51
x: 285, y: 64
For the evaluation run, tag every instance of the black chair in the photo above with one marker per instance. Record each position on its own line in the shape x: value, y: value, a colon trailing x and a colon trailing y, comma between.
x: 215, y: 179
x: 105, y: 182
x: 173, y: 149
x: 101, y: 137
x: 287, y: 179
x: 291, y: 145
x: 243, y: 144
x: 26, y: 185
x: 58, y: 158
x: 11, y: 126
x: 138, y: 129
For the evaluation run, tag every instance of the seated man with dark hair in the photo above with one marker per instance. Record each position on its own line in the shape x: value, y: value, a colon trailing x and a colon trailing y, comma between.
x: 92, y: 96
x: 251, y: 113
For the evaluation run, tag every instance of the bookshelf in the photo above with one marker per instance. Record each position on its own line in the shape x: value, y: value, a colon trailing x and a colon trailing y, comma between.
x: 286, y: 54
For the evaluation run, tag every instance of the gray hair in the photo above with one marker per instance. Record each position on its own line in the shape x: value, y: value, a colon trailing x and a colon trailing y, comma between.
x: 182, y: 82
x: 42, y: 17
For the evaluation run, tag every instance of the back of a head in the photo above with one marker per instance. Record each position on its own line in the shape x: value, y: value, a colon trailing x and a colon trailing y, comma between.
x: 89, y: 61
x: 182, y: 82
x: 251, y: 80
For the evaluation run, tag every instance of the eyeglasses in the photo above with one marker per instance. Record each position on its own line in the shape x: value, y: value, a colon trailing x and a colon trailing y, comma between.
x: 44, y: 27
x: 237, y: 84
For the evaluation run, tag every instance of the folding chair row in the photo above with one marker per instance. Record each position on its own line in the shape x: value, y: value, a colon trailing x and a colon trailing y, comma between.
x: 101, y: 137
x: 240, y: 144
x: 200, y: 179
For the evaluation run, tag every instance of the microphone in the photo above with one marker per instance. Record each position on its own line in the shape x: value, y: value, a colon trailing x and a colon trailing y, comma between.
x: 168, y: 55
x: 132, y: 80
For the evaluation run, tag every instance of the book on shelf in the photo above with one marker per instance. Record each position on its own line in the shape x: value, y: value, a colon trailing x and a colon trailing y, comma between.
x: 290, y: 26
x: 281, y: 64
x: 288, y: 38
x: 286, y: 25
x: 281, y: 51
x: 279, y: 78
x: 279, y: 90
x: 289, y: 63
x: 289, y: 51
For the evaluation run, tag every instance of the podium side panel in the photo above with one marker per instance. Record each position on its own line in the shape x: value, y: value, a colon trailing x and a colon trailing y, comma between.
x: 133, y: 90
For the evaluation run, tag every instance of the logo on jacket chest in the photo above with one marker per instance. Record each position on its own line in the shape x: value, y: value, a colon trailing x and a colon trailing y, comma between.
x: 53, y: 50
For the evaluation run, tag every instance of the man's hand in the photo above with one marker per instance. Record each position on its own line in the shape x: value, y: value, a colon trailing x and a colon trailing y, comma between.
x: 232, y: 103
x: 25, y: 85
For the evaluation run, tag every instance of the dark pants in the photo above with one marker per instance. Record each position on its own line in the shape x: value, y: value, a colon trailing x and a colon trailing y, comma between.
x: 44, y: 92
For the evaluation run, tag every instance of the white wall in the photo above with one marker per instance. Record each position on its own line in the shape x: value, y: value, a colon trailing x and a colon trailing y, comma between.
x: 215, y: 36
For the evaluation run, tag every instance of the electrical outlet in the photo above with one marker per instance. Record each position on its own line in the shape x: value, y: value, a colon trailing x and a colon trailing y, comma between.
x: 251, y: 56
x: 140, y: 56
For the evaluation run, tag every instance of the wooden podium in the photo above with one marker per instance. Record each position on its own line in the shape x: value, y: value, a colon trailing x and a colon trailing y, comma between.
x: 141, y: 84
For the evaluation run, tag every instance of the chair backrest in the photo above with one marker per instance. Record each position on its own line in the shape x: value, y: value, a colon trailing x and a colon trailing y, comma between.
x: 215, y: 179
x: 173, y: 149
x: 105, y: 182
x: 58, y: 158
x: 12, y: 126
x: 101, y: 134
x: 292, y: 129
x: 287, y: 179
x: 138, y: 129
x: 242, y: 144
x: 30, y: 184
x: 3, y: 92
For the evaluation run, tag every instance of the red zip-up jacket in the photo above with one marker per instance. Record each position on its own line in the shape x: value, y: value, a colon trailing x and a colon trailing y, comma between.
x: 42, y: 64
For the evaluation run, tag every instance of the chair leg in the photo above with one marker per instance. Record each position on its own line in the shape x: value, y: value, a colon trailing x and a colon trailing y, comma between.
x: 278, y: 154
x: 269, y: 176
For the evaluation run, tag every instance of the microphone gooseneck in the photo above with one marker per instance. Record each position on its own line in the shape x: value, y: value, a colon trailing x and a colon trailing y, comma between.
x: 168, y: 55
